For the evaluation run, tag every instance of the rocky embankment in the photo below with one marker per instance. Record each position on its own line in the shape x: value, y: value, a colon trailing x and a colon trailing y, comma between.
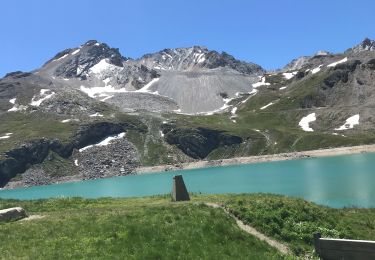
x: 35, y: 152
x: 198, y: 142
x: 116, y: 159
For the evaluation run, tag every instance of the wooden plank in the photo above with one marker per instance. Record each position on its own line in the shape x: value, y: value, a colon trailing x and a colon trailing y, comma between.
x: 347, y: 249
x: 347, y: 255
x: 347, y: 245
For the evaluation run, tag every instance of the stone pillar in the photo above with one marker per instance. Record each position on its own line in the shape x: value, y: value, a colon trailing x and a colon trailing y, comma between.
x: 179, y: 192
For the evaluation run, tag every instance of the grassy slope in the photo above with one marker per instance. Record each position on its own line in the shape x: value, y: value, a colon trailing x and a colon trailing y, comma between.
x: 279, y: 122
x: 31, y: 126
x: 154, y: 227
x: 293, y: 221
x: 148, y: 228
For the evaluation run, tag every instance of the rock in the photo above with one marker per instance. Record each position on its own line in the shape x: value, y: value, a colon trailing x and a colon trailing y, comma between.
x: 371, y: 64
x: 341, y: 73
x: 91, y: 53
x: 199, y: 142
x: 17, y: 74
x: 118, y: 158
x: 348, y: 66
x: 179, y: 192
x: 12, y: 214
x: 335, y: 77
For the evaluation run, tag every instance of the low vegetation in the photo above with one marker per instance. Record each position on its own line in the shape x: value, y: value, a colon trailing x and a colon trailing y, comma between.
x: 156, y: 228
x: 25, y: 127
x: 294, y: 221
x: 149, y: 228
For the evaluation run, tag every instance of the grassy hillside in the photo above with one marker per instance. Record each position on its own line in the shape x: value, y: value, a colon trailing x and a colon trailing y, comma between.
x: 275, y: 128
x: 293, y: 221
x: 150, y: 228
x: 155, y: 228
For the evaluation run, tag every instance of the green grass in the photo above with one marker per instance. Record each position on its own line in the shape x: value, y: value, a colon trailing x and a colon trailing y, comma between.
x: 149, y: 228
x: 155, y: 228
x: 294, y: 221
x: 57, y: 166
x: 27, y: 127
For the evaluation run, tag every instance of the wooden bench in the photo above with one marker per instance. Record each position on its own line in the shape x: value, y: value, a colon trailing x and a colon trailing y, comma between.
x: 343, y: 249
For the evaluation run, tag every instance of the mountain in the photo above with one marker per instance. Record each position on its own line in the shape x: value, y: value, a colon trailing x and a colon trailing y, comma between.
x: 188, y: 80
x: 302, y: 61
x: 365, y: 45
x: 90, y: 112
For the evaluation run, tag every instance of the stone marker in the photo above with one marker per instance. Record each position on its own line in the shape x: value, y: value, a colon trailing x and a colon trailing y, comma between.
x: 179, y: 192
x: 12, y: 214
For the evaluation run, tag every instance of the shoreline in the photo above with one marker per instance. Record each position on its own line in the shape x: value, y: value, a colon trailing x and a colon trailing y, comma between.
x: 347, y: 150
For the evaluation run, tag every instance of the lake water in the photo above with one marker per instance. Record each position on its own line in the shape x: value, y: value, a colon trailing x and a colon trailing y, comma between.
x: 333, y: 181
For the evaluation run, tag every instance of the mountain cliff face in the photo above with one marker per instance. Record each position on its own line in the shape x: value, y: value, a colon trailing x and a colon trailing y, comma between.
x: 89, y: 112
x: 195, y: 58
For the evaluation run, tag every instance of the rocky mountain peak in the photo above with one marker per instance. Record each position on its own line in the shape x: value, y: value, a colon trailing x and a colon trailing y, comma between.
x: 75, y: 62
x: 196, y: 57
x: 297, y: 63
x: 366, y: 45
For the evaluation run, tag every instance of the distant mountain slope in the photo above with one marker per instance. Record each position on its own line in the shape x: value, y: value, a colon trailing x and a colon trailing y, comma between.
x: 102, y: 73
x: 91, y: 113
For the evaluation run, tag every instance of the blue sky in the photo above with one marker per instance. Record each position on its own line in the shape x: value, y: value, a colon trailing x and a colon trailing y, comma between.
x: 267, y: 32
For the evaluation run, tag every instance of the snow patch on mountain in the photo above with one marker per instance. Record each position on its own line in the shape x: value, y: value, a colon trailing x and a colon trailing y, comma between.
x: 69, y: 120
x: 148, y: 85
x: 305, y: 122
x: 350, y: 123
x: 316, y: 70
x: 76, y: 162
x: 98, y: 91
x: 262, y: 82
x: 42, y: 97
x: 62, y: 57
x: 289, y: 75
x: 269, y: 104
x: 105, y: 142
x: 6, y: 136
x: 76, y: 51
x: 97, y: 114
x: 338, y: 62
x: 105, y: 97
x: 103, y: 66
x: 16, y: 107
x: 233, y: 111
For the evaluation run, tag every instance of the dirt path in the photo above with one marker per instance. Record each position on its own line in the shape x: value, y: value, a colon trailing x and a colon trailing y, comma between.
x: 252, y: 231
x: 32, y: 217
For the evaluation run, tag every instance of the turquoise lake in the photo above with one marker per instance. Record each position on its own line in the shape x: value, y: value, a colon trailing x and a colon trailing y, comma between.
x: 341, y: 181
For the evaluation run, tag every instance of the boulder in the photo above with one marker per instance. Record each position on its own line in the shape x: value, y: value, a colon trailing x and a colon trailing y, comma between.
x: 12, y: 214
